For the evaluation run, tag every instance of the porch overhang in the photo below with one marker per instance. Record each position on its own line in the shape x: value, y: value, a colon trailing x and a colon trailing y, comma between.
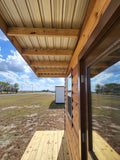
x: 50, y: 35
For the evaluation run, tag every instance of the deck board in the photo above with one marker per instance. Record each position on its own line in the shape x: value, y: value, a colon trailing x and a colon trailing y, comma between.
x: 102, y: 149
x: 47, y: 145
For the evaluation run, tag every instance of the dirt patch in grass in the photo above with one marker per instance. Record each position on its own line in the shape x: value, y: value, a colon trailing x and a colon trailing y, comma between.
x: 106, y: 119
x: 21, y: 116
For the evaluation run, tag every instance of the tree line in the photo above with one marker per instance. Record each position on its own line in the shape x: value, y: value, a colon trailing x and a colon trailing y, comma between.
x: 6, y: 87
x: 110, y: 88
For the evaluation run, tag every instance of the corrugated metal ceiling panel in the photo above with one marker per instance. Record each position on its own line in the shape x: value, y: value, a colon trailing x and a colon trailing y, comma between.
x: 44, y: 13
x: 47, y: 42
x: 48, y: 14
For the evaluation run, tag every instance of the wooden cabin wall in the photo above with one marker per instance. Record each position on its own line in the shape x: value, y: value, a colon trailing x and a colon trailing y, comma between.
x: 72, y: 127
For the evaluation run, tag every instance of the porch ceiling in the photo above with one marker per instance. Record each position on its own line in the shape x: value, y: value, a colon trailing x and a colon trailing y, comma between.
x: 44, y: 32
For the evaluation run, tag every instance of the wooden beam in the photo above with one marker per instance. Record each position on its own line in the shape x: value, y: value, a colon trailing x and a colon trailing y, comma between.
x: 50, y: 52
x: 101, y: 32
x: 49, y: 63
x: 52, y: 75
x: 95, y: 11
x: 95, y: 72
x: 46, y: 32
x: 3, y: 25
x: 114, y: 55
x: 100, y: 65
x: 51, y: 70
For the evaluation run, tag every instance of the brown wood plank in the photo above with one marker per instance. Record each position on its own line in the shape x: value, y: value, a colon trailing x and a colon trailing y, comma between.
x: 75, y: 88
x: 94, y: 13
x: 50, y: 146
x: 52, y: 75
x: 50, y: 52
x: 44, y: 146
x: 30, y: 146
x: 46, y: 32
x: 37, y: 143
x: 102, y: 149
x: 51, y: 70
x: 47, y: 145
x: 75, y: 97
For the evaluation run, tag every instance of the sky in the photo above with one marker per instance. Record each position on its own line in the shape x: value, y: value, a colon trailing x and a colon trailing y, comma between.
x: 110, y: 75
x: 14, y: 69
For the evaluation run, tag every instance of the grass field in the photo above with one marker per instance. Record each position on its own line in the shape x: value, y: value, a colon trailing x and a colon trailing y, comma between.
x: 21, y: 116
x: 106, y: 118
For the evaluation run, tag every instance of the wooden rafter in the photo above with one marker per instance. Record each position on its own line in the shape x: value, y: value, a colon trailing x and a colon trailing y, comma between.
x: 51, y: 75
x: 115, y: 55
x: 52, y: 52
x: 95, y: 11
x: 46, y: 32
x: 101, y: 64
x: 51, y: 70
x: 49, y: 63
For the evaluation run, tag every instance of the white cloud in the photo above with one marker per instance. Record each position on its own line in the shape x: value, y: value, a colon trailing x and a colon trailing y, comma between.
x: 10, y: 77
x: 27, y: 83
x: 118, y: 75
x: 102, y: 78
x: 2, y: 36
x: 62, y: 81
x: 50, y: 80
x: 114, y: 68
x: 110, y: 75
x: 14, y: 63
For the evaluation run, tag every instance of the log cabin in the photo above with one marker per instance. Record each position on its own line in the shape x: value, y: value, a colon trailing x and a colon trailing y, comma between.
x: 74, y: 39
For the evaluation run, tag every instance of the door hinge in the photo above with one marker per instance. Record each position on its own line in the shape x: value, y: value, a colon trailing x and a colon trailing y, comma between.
x: 83, y: 137
x: 82, y: 78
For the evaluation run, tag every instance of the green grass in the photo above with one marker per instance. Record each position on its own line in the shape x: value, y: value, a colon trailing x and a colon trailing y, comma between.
x: 99, y: 102
x: 22, y: 115
x: 21, y: 100
x: 106, y: 118
x: 105, y: 100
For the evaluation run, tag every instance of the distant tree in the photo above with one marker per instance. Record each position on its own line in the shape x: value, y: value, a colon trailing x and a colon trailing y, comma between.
x: 1, y: 86
x: 98, y: 88
x: 16, y: 87
x: 11, y: 87
x: 102, y: 89
x: 112, y: 88
x: 6, y: 86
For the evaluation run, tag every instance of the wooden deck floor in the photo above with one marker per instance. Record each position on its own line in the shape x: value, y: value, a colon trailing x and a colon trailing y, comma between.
x: 102, y: 149
x: 47, y: 145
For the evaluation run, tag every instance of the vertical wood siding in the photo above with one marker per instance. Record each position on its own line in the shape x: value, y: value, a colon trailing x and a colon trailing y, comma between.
x: 72, y: 129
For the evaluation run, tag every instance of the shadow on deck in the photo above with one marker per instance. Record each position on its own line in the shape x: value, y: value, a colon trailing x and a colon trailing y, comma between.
x: 47, y: 145
x: 53, y: 105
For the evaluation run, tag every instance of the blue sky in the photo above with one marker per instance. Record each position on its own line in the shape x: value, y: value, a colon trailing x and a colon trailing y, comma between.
x: 14, y: 69
x: 110, y: 75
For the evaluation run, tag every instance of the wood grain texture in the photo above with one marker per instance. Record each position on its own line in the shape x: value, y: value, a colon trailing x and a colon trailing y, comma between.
x: 49, y: 52
x: 102, y: 149
x: 51, y: 70
x: 46, y: 32
x: 94, y: 13
x: 72, y: 131
x: 47, y: 145
x: 51, y: 75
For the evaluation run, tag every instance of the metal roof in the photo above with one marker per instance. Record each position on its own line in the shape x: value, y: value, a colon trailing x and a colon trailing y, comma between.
x: 50, y: 28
